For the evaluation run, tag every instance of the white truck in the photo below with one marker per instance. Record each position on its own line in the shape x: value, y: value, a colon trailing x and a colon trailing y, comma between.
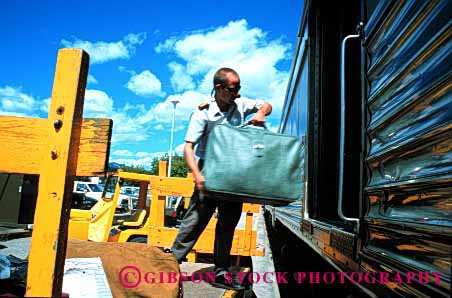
x: 91, y: 190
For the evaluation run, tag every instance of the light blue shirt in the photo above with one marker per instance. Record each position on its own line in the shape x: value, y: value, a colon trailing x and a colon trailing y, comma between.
x: 202, y: 121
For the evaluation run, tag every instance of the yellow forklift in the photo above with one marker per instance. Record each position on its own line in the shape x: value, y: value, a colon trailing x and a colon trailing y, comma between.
x: 158, y: 208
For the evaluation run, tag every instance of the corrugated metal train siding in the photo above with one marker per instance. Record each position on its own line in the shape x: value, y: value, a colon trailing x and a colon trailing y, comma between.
x: 409, y: 94
x: 410, y: 134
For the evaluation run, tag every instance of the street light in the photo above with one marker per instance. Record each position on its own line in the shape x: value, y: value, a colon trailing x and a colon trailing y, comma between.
x: 175, y: 102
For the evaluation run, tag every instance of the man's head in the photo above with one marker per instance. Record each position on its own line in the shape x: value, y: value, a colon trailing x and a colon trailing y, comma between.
x: 226, y: 83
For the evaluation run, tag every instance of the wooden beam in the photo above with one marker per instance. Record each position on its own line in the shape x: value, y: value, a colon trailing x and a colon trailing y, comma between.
x: 59, y: 162
x: 25, y: 143
x: 171, y: 186
x: 94, y: 148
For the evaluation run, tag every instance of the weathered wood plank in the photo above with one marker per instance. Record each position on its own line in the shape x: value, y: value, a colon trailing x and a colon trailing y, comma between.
x: 94, y: 147
x: 23, y: 145
x: 59, y: 162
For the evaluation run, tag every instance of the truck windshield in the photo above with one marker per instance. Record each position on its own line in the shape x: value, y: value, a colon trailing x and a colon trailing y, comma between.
x: 95, y: 187
x: 109, y: 188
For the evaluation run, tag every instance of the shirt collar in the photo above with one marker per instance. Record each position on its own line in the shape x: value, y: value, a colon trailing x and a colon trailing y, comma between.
x: 214, y: 109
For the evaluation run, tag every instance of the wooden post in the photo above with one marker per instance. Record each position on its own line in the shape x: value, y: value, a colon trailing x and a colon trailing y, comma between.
x: 158, y: 202
x: 163, y: 168
x: 59, y: 163
x: 162, y: 202
x: 142, y: 195
x: 157, y: 215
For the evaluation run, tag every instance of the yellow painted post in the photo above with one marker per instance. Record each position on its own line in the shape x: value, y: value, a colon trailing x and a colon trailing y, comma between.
x: 248, y: 232
x: 111, y: 213
x: 158, y: 202
x: 156, y: 217
x: 59, y: 161
x: 163, y: 168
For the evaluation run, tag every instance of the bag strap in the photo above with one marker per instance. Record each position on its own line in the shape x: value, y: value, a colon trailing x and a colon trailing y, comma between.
x: 249, y: 124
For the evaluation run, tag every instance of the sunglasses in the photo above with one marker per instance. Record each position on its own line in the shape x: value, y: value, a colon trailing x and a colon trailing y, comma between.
x: 233, y: 89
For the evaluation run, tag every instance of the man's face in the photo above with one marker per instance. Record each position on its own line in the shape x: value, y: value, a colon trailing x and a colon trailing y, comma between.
x: 228, y: 93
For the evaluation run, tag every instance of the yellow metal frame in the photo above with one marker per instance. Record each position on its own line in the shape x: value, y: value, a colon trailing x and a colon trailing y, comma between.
x: 244, y: 241
x: 94, y: 224
x: 58, y: 149
x: 83, y: 226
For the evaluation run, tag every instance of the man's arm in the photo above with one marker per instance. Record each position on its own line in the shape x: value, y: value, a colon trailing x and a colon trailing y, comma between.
x: 190, y: 159
x: 259, y: 117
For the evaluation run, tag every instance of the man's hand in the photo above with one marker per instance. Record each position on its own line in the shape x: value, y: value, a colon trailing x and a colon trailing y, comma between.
x: 199, y: 182
x: 258, y: 119
x: 193, y: 166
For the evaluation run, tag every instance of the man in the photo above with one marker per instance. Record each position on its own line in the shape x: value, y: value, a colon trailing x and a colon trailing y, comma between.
x: 227, y: 107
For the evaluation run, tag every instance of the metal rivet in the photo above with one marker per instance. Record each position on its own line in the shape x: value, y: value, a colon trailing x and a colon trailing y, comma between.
x: 60, y: 110
x: 54, y: 154
x: 57, y: 124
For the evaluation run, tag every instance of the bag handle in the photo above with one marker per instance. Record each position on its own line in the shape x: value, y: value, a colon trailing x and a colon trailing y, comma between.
x: 248, y: 124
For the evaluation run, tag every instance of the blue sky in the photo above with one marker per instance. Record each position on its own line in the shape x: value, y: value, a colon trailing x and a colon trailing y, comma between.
x: 142, y: 55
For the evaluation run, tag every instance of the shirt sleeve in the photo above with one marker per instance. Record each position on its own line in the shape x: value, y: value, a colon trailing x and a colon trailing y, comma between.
x: 196, y: 127
x: 251, y: 106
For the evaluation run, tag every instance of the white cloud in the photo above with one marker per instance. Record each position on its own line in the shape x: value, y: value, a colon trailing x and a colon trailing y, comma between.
x: 142, y: 154
x: 122, y: 153
x: 45, y: 105
x: 162, y: 112
x: 159, y: 127
x: 92, y: 79
x: 102, y: 51
x: 13, y: 99
x: 166, y: 46
x: 145, y: 84
x: 180, y: 149
x: 247, y: 50
x: 14, y: 102
x: 180, y: 80
x: 126, y: 129
x: 98, y: 104
x: 143, y: 159
x: 135, y: 39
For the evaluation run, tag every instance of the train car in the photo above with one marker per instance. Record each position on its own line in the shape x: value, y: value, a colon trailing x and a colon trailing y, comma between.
x: 370, y: 96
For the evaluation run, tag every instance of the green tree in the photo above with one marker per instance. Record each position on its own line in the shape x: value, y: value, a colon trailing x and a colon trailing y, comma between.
x: 135, y: 169
x: 178, y: 168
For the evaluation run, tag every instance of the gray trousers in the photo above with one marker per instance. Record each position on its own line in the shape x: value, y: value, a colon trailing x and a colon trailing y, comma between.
x: 196, y: 219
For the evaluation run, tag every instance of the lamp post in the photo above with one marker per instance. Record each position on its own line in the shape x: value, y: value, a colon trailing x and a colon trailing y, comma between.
x: 174, y: 102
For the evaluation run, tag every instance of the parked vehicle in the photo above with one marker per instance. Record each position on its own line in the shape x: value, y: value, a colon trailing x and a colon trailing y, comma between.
x: 132, y: 191
x: 82, y: 202
x: 91, y: 190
